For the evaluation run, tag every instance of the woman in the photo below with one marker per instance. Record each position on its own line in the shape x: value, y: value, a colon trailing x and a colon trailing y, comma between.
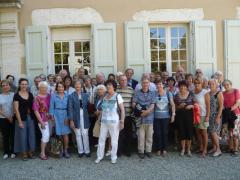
x: 41, y: 108
x: 58, y: 109
x: 184, y: 101
x: 79, y: 118
x: 24, y: 140
x: 68, y: 85
x: 231, y: 103
x: 6, y: 120
x: 189, y: 79
x: 112, y: 120
x: 216, y: 106
x: 171, y: 82
x: 203, y: 100
x: 162, y: 117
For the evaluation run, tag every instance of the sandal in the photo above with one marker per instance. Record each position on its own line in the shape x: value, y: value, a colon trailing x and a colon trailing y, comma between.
x: 31, y: 156
x: 203, y: 155
x: 24, y: 157
x: 43, y: 157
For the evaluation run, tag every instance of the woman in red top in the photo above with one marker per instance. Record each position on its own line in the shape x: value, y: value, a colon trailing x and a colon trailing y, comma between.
x: 232, y: 101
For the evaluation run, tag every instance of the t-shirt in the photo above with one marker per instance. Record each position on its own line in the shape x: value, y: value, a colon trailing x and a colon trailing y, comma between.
x: 230, y: 99
x: 110, y: 110
x: 161, y: 110
x: 6, y: 104
x: 145, y: 99
x: 200, y: 98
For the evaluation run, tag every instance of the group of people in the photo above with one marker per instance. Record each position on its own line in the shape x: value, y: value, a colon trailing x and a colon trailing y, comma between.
x: 92, y: 111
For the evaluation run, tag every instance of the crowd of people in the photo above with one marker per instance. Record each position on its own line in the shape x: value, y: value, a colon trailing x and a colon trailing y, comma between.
x: 87, y: 112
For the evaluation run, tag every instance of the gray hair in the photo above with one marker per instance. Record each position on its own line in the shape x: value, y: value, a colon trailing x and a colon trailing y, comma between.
x: 43, y: 84
x: 101, y: 87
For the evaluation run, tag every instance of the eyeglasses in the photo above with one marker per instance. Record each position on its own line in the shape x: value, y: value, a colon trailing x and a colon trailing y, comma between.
x: 197, y: 83
x: 198, y: 72
x: 24, y: 84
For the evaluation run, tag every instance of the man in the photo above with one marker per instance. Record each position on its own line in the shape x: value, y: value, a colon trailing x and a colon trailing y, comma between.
x: 152, y: 86
x: 152, y: 77
x: 11, y: 79
x: 63, y: 73
x: 81, y: 73
x: 198, y: 73
x: 146, y: 99
x: 100, y: 78
x: 129, y: 72
x: 180, y: 74
x: 125, y: 136
x: 34, y: 88
x: 164, y: 76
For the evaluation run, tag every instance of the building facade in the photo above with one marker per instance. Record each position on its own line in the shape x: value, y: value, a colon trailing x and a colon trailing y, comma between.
x: 109, y: 36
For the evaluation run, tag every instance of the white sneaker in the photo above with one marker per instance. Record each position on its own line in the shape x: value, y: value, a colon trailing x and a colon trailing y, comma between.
x: 108, y: 153
x: 97, y: 160
x: 13, y: 156
x: 5, y: 156
x: 114, y: 161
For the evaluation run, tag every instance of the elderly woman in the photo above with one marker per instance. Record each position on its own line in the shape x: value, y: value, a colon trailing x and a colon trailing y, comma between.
x: 216, y: 107
x: 41, y: 107
x: 24, y: 141
x: 58, y: 109
x: 203, y: 100
x: 6, y: 120
x: 162, y: 117
x: 112, y: 121
x: 79, y: 119
x: 184, y: 101
x: 231, y: 105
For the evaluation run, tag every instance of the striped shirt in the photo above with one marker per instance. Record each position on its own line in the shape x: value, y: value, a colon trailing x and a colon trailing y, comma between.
x: 127, y: 95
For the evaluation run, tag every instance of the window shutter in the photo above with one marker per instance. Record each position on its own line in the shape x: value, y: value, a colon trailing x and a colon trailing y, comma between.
x: 137, y: 47
x: 104, y: 51
x: 204, y: 46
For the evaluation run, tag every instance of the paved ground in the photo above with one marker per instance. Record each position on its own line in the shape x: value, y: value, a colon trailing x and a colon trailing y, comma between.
x: 171, y: 167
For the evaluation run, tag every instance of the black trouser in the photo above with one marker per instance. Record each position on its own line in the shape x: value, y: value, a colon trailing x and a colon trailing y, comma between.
x: 161, y: 133
x: 7, y: 129
x: 92, y: 140
x: 125, y: 137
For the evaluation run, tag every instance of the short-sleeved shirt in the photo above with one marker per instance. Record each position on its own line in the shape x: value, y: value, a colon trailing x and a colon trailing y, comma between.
x: 231, y: 98
x: 161, y: 110
x: 145, y: 99
x: 25, y: 105
x: 6, y: 104
x: 110, y: 107
x: 42, y: 104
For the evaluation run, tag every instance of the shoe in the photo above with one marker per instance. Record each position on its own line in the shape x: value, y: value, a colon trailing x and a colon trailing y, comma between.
x: 5, y: 156
x: 66, y: 155
x: 13, y: 156
x: 43, y: 157
x: 114, y: 161
x: 141, y: 155
x: 61, y: 154
x: 203, y: 155
x: 24, y: 157
x: 164, y: 153
x: 217, y: 154
x: 158, y: 153
x: 88, y: 154
x: 97, y: 160
x: 31, y: 156
x: 148, y: 154
x: 108, y: 153
x: 80, y: 155
x: 128, y: 154
x: 182, y: 153
x: 189, y: 154
x: 234, y: 154
x: 211, y: 151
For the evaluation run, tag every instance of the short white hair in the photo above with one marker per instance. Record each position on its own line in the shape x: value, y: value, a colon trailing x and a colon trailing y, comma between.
x: 101, y: 86
x: 43, y: 84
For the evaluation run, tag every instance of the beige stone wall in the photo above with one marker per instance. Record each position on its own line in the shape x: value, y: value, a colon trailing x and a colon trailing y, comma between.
x: 120, y: 11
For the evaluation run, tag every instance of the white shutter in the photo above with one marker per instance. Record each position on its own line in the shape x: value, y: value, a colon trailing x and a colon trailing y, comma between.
x: 232, y: 51
x: 36, y: 50
x: 204, y: 46
x: 137, y: 47
x: 104, y: 51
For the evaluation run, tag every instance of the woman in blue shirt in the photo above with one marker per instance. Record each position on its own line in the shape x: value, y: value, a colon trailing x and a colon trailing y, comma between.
x: 58, y: 109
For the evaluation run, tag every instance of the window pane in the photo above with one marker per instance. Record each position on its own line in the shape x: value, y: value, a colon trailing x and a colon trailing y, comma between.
x: 66, y: 67
x: 86, y: 46
x: 174, y: 32
x: 57, y: 58
x: 174, y: 55
x: 183, y: 54
x: 162, y: 55
x: 182, y: 44
x: 57, y: 47
x: 77, y: 46
x: 182, y: 32
x: 162, y: 44
x: 65, y: 46
x: 154, y: 55
x: 174, y: 44
x: 86, y: 57
x: 65, y: 58
x: 57, y: 69
x: 161, y: 32
x: 153, y: 32
x: 154, y: 44
x: 154, y: 67
x: 163, y: 66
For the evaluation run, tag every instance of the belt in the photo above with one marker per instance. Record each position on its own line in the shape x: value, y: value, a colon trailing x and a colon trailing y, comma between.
x: 60, y: 109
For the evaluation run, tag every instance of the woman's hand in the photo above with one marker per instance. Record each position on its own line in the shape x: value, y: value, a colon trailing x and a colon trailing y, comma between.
x: 21, y: 125
x: 121, y: 125
x: 144, y: 113
x: 189, y: 107
x: 217, y: 120
x: 182, y: 105
x: 234, y: 107
x: 10, y: 119
x: 206, y: 118
x: 72, y: 125
x: 172, y: 119
x: 42, y: 125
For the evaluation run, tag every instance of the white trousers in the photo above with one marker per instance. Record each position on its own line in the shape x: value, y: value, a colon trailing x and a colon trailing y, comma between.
x: 82, y: 136
x: 113, y: 129
x: 45, y: 132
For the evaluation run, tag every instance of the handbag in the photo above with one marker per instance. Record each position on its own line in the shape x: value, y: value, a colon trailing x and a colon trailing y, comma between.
x: 55, y: 145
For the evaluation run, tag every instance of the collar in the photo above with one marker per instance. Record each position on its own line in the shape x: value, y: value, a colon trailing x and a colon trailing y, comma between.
x: 145, y: 92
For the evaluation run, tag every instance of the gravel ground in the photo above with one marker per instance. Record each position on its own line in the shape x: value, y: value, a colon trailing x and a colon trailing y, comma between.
x: 171, y: 167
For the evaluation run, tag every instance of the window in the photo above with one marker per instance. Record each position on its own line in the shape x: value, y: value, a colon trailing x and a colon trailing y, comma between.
x: 169, y: 48
x: 61, y: 56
